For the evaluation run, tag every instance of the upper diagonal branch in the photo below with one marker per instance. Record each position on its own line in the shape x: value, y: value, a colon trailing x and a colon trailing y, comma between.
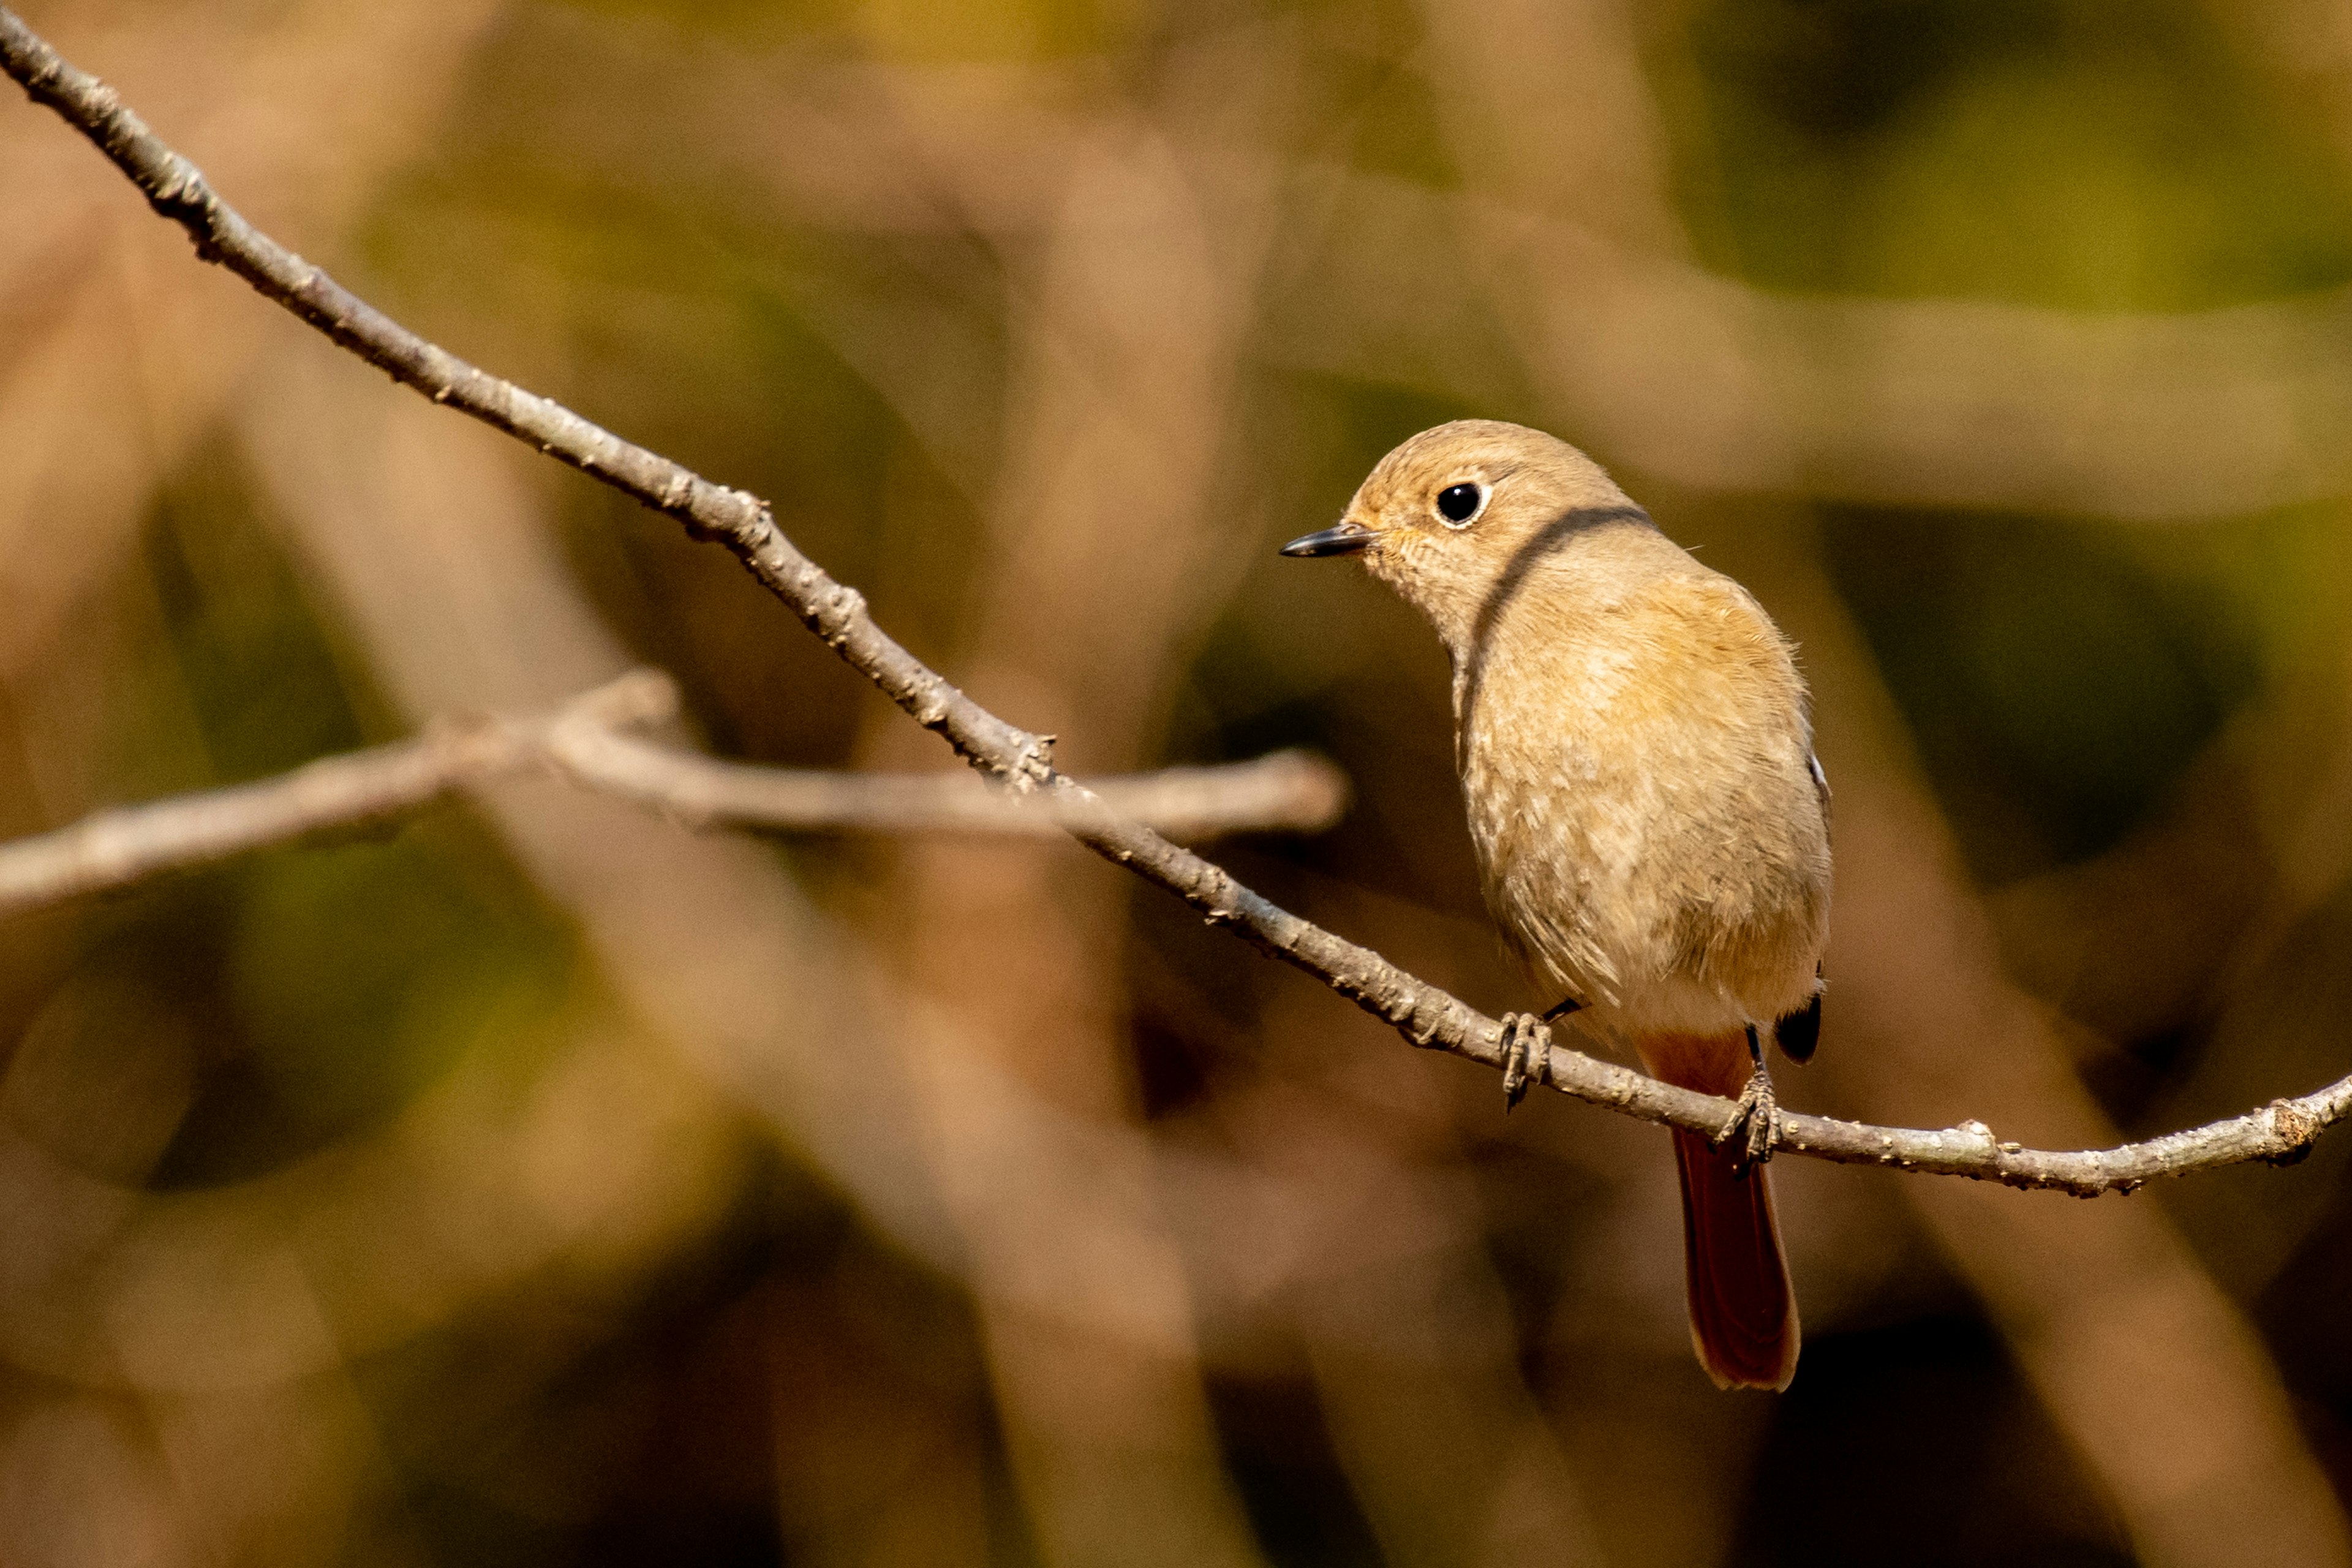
x: 1423, y: 1014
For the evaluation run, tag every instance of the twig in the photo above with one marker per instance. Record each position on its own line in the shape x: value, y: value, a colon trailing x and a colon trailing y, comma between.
x: 116, y: 848
x: 1426, y: 1016
x: 1283, y: 792
x: 1287, y: 791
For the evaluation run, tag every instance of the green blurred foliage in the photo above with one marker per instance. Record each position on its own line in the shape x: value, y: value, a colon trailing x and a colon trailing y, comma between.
x: 2055, y: 684
x: 2074, y: 153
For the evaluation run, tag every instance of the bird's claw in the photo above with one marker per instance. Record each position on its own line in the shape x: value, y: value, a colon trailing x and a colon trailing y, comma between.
x: 1759, y: 1113
x: 1527, y: 1056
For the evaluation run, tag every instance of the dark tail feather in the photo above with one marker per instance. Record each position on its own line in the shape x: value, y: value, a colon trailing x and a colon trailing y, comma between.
x: 1800, y: 1031
x: 1743, y: 1315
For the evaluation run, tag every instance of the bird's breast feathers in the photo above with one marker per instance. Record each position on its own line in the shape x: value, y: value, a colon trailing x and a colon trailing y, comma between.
x: 1638, y: 777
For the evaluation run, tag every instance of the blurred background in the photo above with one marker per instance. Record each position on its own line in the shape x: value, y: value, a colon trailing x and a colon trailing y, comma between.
x: 534, y: 1183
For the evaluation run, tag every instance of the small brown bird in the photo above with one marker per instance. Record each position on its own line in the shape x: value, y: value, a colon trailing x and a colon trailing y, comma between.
x: 1651, y: 824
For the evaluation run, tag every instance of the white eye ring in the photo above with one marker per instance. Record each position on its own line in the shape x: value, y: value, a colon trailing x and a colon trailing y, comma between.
x: 1452, y: 493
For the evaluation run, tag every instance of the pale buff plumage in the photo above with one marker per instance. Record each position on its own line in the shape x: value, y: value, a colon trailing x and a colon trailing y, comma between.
x: 1630, y: 730
x: 1650, y: 825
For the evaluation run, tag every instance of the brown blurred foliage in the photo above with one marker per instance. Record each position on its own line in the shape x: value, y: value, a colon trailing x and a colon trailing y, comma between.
x: 536, y: 1183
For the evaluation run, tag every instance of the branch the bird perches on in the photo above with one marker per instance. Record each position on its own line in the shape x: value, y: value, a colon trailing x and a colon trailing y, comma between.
x: 1022, y: 761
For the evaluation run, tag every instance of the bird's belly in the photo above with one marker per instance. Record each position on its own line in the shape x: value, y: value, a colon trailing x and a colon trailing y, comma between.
x: 1655, y: 906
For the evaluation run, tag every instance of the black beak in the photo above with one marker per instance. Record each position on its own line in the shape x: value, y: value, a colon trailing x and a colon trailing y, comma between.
x: 1345, y: 539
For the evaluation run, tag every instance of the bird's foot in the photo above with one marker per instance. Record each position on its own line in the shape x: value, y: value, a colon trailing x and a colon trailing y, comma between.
x: 1527, y: 1056
x: 1757, y: 1113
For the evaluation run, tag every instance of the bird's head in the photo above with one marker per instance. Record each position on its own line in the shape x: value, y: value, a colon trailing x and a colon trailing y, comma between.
x: 1456, y: 517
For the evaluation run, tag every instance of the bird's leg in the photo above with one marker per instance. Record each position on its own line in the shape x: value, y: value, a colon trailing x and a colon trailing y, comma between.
x: 1758, y: 1110
x: 1526, y: 1051
x: 1527, y: 1055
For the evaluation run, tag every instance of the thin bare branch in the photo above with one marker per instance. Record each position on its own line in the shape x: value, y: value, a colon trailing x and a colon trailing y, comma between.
x: 1283, y: 792
x: 116, y: 848
x: 583, y: 741
x: 2279, y: 1132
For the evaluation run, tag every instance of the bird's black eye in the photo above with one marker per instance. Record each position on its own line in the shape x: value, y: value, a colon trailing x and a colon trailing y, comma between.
x: 1460, y: 503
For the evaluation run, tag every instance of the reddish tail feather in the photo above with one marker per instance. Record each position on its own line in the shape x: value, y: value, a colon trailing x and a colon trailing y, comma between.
x: 1743, y: 1314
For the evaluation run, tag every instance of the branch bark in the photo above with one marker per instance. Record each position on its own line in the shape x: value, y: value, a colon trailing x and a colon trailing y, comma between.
x: 584, y: 740
x: 1427, y: 1016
